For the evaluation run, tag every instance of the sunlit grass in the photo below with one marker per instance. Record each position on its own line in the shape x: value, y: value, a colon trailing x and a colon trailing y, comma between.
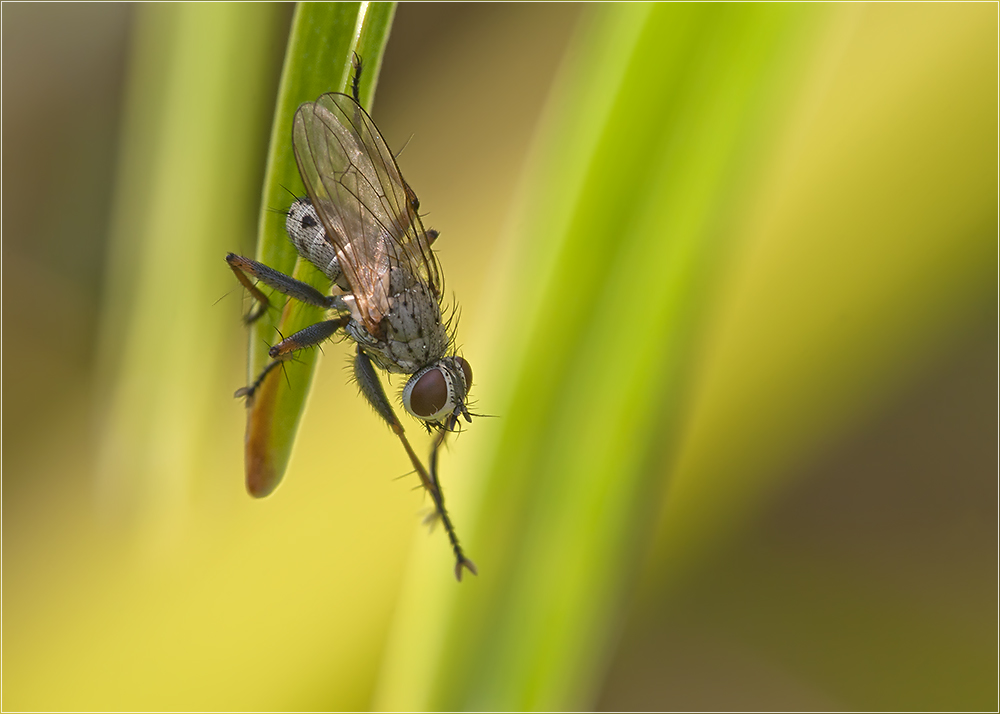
x: 741, y: 230
x: 681, y: 148
x: 198, y: 104
x: 324, y: 39
x: 627, y: 220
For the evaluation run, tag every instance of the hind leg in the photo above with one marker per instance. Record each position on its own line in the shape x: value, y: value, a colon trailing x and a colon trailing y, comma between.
x: 244, y: 269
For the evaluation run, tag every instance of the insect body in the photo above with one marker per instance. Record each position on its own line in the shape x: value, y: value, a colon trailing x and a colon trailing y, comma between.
x: 361, y: 228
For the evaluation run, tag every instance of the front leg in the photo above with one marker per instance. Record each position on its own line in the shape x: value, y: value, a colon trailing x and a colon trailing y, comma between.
x: 371, y: 387
x: 460, y: 560
x: 244, y: 268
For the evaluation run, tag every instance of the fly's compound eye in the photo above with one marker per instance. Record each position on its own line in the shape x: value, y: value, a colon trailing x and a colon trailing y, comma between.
x: 466, y: 371
x: 429, y: 394
x: 434, y: 393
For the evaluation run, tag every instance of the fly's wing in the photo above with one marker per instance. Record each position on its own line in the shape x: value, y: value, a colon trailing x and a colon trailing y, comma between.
x: 368, y: 210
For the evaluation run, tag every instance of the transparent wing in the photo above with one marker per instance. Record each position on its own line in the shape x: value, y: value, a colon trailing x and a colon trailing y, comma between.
x: 368, y: 210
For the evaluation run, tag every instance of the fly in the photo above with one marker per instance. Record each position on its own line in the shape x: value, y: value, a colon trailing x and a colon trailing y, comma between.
x: 360, y: 227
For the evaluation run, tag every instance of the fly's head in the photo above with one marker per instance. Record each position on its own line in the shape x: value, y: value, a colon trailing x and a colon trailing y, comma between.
x: 438, y: 393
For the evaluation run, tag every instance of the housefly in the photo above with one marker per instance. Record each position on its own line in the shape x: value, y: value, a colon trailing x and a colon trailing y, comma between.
x: 360, y: 227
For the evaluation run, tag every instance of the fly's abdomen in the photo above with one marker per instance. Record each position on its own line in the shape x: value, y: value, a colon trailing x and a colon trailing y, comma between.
x: 310, y: 239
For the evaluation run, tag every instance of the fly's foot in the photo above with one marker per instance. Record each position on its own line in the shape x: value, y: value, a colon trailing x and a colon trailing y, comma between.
x: 464, y: 562
x: 258, y: 311
x: 242, y: 268
x: 247, y: 393
x: 439, y: 514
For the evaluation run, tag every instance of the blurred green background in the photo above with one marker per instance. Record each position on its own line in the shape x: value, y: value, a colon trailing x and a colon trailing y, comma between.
x: 728, y: 280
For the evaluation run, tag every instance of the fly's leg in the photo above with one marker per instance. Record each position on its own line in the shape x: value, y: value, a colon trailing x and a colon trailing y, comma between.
x: 281, y: 352
x: 460, y: 560
x: 244, y: 269
x: 371, y: 387
x: 356, y: 81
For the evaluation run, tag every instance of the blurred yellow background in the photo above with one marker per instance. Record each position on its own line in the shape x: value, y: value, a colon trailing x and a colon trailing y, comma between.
x: 856, y: 566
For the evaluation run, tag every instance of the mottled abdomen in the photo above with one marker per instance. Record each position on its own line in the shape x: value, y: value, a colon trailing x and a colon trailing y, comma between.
x: 310, y: 240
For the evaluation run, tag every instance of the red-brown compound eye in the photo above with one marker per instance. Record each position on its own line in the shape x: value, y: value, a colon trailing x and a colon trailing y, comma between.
x: 427, y: 395
x: 467, y: 371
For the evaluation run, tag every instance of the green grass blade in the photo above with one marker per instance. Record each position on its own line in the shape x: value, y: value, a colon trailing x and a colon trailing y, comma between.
x: 197, y: 111
x: 626, y: 217
x: 745, y: 227
x: 323, y: 40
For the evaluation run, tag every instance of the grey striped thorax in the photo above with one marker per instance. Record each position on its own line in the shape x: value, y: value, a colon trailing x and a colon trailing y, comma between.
x: 413, y: 332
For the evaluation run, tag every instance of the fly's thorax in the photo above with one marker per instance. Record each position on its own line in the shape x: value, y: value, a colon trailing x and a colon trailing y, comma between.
x: 411, y: 335
x: 438, y: 392
x: 310, y: 240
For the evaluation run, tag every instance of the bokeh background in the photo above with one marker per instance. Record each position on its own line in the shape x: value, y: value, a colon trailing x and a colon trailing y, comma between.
x: 792, y: 505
